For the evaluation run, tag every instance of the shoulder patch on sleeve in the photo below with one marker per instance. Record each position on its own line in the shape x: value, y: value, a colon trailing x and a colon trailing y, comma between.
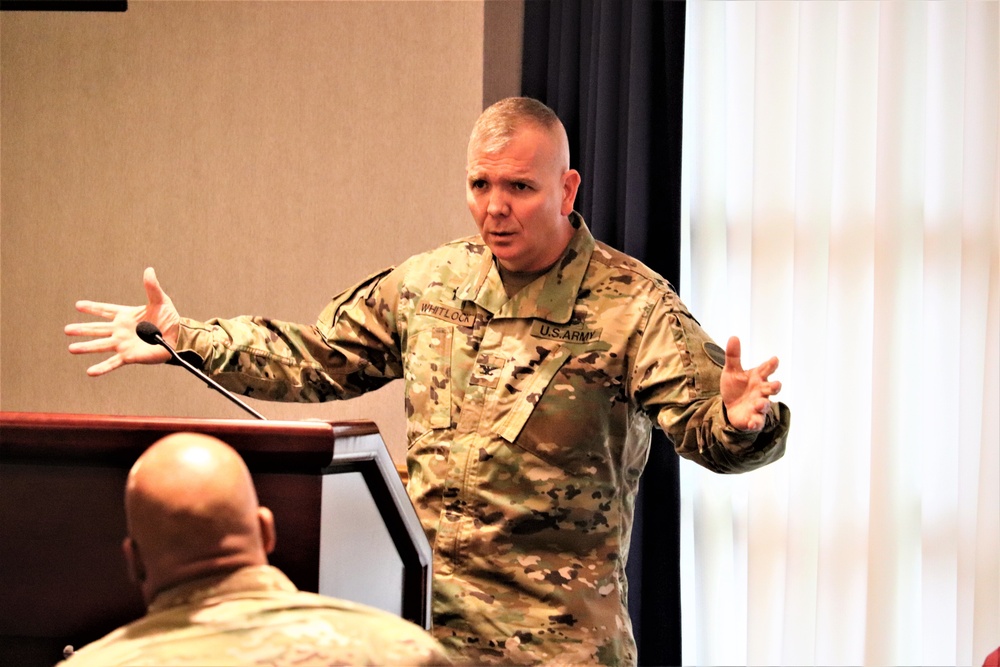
x: 715, y: 353
x: 362, y: 290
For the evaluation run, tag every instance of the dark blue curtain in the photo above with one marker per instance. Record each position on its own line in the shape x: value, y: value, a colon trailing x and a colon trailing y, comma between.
x: 613, y: 71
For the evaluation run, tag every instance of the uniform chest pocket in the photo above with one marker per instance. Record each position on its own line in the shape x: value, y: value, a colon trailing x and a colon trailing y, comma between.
x: 574, y: 416
x: 428, y: 380
x: 524, y: 388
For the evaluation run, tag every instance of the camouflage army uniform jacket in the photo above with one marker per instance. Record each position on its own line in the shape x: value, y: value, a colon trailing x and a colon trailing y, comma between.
x: 529, y: 424
x: 256, y: 616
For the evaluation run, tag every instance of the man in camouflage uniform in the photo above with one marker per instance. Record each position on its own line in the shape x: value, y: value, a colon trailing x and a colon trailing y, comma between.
x: 197, y: 547
x: 536, y: 362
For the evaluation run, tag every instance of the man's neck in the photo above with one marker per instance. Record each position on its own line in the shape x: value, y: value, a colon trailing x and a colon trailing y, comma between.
x: 515, y: 281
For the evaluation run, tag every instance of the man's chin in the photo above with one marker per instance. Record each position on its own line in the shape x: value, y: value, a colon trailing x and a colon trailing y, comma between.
x: 503, y: 250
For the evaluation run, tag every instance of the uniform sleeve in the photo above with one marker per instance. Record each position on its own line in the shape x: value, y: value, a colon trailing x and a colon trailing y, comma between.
x: 353, y: 348
x: 676, y: 380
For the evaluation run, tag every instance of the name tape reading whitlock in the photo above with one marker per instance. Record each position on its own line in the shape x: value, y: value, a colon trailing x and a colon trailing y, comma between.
x: 447, y: 314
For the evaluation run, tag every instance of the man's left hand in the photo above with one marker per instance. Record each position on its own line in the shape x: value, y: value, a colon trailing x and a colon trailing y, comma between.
x: 746, y: 393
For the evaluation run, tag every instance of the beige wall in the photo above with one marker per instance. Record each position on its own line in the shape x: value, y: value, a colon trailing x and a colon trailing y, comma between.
x: 261, y: 155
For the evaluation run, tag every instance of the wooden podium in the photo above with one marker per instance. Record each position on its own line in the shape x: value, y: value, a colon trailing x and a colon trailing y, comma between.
x: 345, y: 526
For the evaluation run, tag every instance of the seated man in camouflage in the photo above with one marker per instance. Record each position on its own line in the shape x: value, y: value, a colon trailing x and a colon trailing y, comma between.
x: 197, y: 546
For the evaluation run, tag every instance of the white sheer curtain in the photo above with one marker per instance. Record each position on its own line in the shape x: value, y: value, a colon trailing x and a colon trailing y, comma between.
x: 841, y: 210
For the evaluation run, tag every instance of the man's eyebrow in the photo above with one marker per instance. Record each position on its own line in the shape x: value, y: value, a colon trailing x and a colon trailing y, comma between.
x: 520, y: 178
x: 477, y: 175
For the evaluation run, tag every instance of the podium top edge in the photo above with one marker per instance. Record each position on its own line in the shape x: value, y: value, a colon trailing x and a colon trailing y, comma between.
x: 74, y: 420
x: 113, y: 439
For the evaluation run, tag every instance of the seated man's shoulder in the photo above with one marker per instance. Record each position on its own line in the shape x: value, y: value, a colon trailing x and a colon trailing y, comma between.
x: 315, y: 629
x: 286, y: 628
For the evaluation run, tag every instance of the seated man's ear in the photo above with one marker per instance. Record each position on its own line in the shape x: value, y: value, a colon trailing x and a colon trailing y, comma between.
x: 136, y: 569
x: 268, y: 534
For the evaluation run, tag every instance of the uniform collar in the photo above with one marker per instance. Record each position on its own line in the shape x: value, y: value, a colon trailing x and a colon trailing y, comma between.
x: 197, y: 591
x: 550, y: 297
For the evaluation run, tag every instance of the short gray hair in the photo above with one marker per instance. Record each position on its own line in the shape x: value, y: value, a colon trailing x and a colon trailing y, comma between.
x: 501, y: 120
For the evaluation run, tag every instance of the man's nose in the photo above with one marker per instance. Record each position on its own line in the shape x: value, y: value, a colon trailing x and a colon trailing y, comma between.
x: 497, y: 205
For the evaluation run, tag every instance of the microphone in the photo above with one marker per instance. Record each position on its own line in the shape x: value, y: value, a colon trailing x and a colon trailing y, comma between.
x: 150, y: 334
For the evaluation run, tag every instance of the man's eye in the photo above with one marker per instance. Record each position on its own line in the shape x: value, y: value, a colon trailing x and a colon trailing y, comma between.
x: 520, y: 187
x: 478, y: 184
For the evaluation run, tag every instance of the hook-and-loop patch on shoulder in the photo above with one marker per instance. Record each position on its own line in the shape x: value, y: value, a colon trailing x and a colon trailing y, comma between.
x: 715, y: 353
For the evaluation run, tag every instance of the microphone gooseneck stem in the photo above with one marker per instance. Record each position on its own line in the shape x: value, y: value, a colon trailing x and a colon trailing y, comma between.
x: 212, y: 383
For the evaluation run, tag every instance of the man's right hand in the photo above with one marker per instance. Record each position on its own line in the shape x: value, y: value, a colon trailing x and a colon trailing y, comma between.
x: 117, y: 334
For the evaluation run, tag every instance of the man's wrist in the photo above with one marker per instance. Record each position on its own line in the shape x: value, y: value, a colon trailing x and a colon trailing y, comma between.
x: 745, y: 431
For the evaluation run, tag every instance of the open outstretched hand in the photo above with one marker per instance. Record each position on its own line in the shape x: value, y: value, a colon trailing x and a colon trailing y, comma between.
x: 746, y: 393
x: 117, y: 334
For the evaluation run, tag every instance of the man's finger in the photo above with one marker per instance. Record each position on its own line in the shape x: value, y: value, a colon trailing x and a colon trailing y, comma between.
x: 768, y: 366
x: 88, y: 329
x: 733, y: 355
x: 106, y: 366
x: 92, y: 346
x: 105, y: 310
x: 154, y: 293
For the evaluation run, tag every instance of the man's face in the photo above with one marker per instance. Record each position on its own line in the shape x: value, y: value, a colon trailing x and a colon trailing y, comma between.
x: 520, y: 197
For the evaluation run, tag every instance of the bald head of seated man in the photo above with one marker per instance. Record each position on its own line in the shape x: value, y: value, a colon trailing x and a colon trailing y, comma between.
x: 192, y: 511
x: 197, y: 547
